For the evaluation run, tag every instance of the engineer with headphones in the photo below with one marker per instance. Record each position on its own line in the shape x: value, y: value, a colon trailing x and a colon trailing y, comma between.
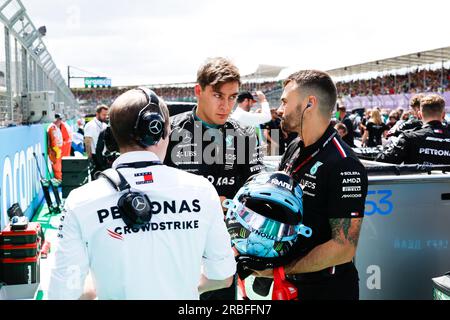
x: 143, y: 230
x: 334, y: 184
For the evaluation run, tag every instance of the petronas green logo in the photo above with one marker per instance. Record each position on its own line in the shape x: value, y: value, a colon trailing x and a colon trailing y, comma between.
x: 315, y: 167
x: 229, y: 141
x: 242, y: 233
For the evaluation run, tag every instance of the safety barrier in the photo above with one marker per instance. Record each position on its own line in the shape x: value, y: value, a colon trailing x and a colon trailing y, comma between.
x: 19, y: 176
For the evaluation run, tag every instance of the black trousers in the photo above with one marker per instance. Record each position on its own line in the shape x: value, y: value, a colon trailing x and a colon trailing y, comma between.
x: 343, y: 285
x: 221, y: 294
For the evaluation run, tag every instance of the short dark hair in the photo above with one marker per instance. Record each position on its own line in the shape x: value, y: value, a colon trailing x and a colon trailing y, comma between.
x: 124, y: 112
x: 101, y: 107
x: 317, y: 83
x: 432, y: 105
x: 341, y: 126
x: 217, y: 71
x: 245, y: 95
x: 415, y: 100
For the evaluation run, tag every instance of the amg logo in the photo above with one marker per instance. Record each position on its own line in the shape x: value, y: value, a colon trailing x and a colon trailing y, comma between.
x: 281, y: 184
x: 351, y: 180
x: 434, y: 152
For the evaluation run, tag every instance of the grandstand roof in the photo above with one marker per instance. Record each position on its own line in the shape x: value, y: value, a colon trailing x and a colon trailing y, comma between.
x: 264, y: 71
x: 409, y: 60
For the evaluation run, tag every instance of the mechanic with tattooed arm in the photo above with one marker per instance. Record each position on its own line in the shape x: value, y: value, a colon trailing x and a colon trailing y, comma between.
x: 334, y: 186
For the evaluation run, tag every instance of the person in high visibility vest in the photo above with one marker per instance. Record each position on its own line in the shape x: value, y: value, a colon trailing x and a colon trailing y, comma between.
x: 55, y: 145
x: 66, y: 132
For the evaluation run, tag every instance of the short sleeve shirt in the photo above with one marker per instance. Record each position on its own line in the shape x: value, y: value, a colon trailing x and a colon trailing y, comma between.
x: 92, y: 130
x: 333, y: 180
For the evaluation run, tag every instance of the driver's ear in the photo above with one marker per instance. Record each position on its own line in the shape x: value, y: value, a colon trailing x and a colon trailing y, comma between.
x: 197, y: 90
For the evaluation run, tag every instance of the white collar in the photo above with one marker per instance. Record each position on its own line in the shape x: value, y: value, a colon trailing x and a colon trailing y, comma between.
x: 98, y: 123
x: 135, y: 156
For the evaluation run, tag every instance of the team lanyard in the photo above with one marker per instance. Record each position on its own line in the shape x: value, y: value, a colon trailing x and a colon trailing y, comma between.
x: 310, y: 157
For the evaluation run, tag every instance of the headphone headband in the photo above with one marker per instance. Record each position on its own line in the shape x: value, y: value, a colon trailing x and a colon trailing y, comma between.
x: 152, y: 99
x: 150, y: 125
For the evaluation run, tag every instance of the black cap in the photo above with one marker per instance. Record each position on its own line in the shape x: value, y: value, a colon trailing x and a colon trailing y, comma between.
x: 245, y: 95
x: 57, y: 116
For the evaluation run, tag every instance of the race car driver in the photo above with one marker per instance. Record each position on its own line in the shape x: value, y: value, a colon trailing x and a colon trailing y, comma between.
x: 429, y: 144
x: 159, y: 257
x: 206, y: 142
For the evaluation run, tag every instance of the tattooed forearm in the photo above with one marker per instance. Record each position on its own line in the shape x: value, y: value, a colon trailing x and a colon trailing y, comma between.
x: 345, y: 229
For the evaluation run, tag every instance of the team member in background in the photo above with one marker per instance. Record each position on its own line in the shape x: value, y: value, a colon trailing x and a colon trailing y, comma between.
x: 349, y: 138
x: 55, y: 145
x: 134, y: 248
x: 66, y: 132
x: 374, y: 130
x: 429, y: 144
x: 413, y: 122
x: 206, y: 142
x: 341, y: 130
x: 92, y: 130
x: 273, y: 134
x: 334, y: 186
x: 107, y: 149
x: 243, y: 114
x: 246, y: 101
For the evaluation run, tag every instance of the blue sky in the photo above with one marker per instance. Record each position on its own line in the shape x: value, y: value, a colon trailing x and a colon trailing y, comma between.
x: 148, y: 42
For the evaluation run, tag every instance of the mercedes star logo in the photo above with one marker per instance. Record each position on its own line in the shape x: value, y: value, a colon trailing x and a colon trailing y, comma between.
x: 139, y: 204
x: 187, y: 137
x: 155, y: 127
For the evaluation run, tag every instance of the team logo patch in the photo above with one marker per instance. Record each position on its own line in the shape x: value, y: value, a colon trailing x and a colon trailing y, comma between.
x: 145, y: 178
x: 315, y: 167
x: 155, y: 127
x: 229, y: 141
x: 187, y: 137
x: 115, y: 235
x: 139, y: 204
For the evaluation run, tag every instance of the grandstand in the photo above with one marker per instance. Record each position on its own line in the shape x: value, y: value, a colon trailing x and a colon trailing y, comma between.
x: 386, y: 83
x: 26, y: 66
x: 262, y: 79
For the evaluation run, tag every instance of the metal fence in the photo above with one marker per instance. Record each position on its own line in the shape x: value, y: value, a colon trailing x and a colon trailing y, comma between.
x: 25, y: 65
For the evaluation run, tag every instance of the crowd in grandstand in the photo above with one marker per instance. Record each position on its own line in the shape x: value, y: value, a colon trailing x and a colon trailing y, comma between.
x: 95, y: 96
x: 418, y: 81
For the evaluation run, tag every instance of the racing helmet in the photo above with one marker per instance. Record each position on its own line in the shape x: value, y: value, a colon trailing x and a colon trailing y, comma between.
x: 265, y: 217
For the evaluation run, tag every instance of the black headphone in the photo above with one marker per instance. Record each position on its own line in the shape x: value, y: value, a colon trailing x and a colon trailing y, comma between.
x: 135, y: 207
x: 150, y: 126
x: 309, y: 105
